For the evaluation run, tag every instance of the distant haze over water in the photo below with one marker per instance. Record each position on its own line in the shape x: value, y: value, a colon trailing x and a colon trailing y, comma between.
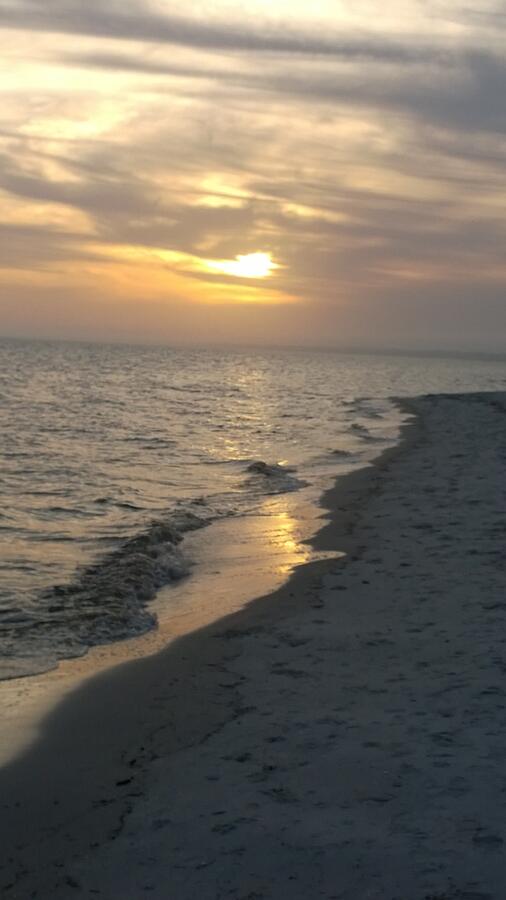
x: 112, y: 453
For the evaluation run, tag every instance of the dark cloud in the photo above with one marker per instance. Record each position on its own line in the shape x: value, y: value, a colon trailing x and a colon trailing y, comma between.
x: 31, y: 248
x: 460, y: 89
x: 126, y: 209
x: 131, y: 22
x: 465, y: 93
x: 97, y: 195
x: 122, y: 62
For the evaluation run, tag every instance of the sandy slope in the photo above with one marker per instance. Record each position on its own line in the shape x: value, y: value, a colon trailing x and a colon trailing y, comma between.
x: 342, y: 738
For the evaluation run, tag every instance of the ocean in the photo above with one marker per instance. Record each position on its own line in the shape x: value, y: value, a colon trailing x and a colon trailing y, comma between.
x: 114, y: 456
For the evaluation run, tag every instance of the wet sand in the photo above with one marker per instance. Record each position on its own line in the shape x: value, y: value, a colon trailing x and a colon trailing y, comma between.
x: 343, y: 737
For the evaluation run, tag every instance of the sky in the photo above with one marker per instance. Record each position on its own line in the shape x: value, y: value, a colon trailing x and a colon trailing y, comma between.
x: 275, y: 171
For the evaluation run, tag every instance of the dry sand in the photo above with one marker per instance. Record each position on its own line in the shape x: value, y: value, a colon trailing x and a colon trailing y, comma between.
x: 344, y: 737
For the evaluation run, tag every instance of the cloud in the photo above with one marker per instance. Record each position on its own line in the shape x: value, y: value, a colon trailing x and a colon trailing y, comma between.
x: 461, y: 89
x: 369, y: 161
x: 123, y: 62
x: 465, y: 91
x: 28, y: 248
x: 134, y: 23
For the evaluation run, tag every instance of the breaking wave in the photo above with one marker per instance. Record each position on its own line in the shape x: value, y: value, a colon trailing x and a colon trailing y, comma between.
x: 342, y: 454
x: 107, y: 601
x: 364, y: 434
x: 280, y: 479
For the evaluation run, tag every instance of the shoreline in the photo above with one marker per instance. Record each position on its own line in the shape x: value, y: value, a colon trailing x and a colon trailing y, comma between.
x: 228, y: 577
x: 233, y: 561
x: 68, y: 810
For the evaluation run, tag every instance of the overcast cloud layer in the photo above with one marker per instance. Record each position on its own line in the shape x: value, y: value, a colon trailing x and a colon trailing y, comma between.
x: 364, y: 152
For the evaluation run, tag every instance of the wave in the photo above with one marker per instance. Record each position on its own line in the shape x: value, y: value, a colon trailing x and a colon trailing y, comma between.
x: 107, y: 601
x: 117, y: 586
x: 280, y: 479
x: 342, y: 454
x: 364, y: 406
x: 365, y: 434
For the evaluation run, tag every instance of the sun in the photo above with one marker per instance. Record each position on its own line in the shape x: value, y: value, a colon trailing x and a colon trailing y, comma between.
x: 249, y: 265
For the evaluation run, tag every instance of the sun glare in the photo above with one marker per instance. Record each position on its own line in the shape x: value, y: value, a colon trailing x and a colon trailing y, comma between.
x: 250, y: 265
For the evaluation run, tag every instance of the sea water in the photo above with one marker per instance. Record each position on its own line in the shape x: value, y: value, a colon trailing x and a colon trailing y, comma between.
x: 113, y: 455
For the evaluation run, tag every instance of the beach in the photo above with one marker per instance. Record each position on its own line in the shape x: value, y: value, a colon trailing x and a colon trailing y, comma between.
x: 343, y: 737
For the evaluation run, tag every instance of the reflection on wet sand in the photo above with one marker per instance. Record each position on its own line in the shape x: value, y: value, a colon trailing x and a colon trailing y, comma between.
x: 241, y: 559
